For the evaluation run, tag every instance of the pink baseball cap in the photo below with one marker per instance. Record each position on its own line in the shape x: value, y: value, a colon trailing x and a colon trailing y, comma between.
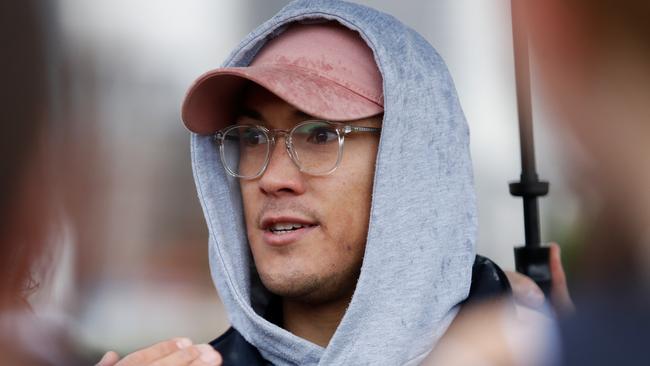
x: 324, y: 70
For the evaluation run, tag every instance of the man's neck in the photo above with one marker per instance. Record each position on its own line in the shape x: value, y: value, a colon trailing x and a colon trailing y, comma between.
x: 313, y: 322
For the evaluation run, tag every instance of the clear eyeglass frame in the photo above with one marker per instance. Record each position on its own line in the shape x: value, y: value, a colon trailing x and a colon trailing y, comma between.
x: 342, y: 130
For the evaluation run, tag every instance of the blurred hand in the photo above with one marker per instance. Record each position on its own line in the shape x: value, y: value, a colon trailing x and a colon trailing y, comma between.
x: 526, y: 292
x: 493, y: 333
x: 173, y: 352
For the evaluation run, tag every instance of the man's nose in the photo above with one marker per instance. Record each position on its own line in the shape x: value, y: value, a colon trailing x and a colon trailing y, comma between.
x: 282, y: 176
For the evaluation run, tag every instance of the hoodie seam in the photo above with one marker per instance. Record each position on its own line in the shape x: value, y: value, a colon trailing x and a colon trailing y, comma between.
x: 211, y: 226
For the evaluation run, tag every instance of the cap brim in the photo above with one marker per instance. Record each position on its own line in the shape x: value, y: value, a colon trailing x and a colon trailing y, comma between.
x: 211, y: 101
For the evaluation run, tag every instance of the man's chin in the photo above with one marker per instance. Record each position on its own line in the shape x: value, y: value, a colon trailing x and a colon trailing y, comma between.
x: 308, y: 288
x: 290, y: 285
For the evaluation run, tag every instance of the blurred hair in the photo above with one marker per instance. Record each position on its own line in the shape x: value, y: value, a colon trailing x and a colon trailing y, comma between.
x: 619, y: 32
x: 22, y: 107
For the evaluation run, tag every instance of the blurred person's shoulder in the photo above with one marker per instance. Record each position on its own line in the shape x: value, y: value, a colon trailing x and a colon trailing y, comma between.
x: 610, y: 328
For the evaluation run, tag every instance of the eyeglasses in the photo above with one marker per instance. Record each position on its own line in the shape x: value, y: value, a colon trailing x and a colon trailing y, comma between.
x: 315, y: 146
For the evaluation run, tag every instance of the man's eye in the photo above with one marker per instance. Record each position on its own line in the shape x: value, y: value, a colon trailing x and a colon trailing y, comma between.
x: 322, y: 135
x: 253, y: 137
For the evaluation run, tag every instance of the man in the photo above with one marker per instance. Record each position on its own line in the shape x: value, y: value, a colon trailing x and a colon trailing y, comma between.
x: 356, y: 281
x: 332, y: 162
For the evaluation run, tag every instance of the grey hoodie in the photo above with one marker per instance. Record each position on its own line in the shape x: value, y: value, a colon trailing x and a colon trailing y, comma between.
x: 420, y: 248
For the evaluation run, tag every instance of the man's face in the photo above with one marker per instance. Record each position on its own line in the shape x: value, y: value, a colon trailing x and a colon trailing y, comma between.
x: 320, y: 261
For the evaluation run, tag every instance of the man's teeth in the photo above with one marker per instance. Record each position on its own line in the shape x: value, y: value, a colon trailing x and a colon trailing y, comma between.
x: 285, y: 228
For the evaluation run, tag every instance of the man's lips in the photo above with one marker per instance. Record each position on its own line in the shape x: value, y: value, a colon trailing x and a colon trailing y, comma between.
x: 276, y: 221
x: 284, y: 230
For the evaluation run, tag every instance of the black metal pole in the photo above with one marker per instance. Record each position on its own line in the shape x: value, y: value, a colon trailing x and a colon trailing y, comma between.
x: 533, y: 258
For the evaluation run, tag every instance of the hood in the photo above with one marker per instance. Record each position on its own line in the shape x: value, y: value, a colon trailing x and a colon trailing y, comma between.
x: 421, y: 235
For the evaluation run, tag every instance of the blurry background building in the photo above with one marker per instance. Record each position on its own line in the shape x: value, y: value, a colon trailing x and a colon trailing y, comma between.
x: 135, y: 268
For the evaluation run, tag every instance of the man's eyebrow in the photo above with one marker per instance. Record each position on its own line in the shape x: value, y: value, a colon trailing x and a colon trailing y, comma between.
x: 302, y: 115
x: 250, y: 113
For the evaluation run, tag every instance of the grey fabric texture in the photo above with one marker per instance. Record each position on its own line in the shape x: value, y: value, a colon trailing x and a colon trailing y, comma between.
x: 421, y: 235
